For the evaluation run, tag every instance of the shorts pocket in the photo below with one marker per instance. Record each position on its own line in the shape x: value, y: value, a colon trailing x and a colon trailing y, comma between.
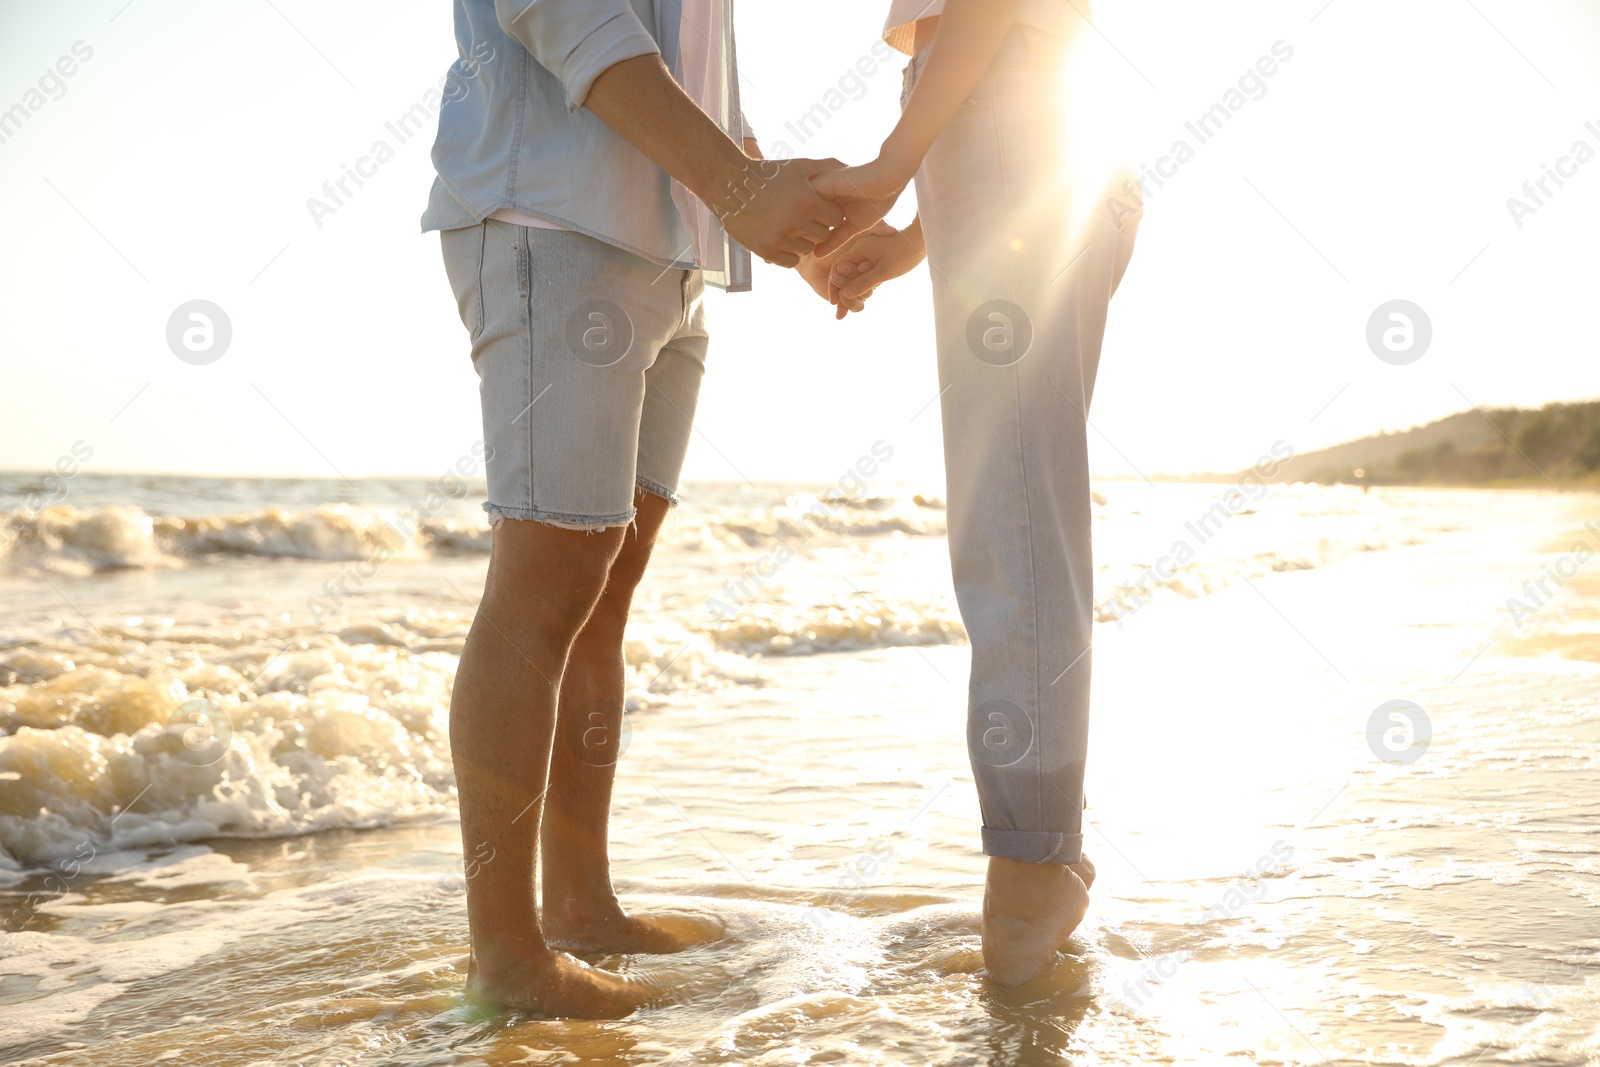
x: 523, y: 248
x: 475, y: 324
x: 463, y: 265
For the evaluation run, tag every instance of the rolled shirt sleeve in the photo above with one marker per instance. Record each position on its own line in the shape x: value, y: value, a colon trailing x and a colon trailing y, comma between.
x: 576, y: 40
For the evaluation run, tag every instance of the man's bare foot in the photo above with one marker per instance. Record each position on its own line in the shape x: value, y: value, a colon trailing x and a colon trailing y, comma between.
x: 1029, y: 909
x: 609, y: 929
x: 557, y: 986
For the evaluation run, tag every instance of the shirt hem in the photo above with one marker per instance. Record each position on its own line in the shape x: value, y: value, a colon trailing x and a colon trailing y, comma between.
x: 431, y: 226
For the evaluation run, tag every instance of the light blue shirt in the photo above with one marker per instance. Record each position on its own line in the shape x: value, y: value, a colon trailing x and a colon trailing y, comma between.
x: 513, y: 133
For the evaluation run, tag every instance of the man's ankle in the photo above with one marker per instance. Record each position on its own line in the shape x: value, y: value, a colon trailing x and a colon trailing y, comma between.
x: 578, y: 907
x: 495, y: 960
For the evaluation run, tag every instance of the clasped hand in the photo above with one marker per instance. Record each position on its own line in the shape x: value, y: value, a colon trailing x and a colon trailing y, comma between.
x: 825, y: 220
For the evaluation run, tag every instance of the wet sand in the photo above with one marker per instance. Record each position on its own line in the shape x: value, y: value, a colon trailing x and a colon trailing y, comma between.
x: 1276, y: 885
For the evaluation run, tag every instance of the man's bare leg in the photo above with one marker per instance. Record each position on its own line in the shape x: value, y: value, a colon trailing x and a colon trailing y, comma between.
x: 543, y: 583
x: 580, y: 908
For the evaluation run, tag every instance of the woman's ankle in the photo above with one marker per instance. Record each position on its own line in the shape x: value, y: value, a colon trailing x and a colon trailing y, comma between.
x: 1013, y: 885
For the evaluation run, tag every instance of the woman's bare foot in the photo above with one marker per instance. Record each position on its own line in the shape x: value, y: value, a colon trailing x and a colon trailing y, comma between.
x: 555, y: 985
x: 609, y: 929
x: 1029, y: 909
x: 1084, y: 870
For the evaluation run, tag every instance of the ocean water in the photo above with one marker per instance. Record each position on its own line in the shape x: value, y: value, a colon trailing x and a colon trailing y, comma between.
x: 1344, y: 783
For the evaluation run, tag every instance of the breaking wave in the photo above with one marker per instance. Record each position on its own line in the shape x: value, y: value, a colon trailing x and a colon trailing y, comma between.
x: 71, y: 540
x: 303, y: 728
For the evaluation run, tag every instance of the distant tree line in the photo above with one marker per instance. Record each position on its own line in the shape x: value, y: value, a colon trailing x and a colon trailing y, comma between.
x: 1560, y: 442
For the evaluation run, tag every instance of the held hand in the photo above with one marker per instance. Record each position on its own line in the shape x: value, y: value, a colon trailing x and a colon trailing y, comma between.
x: 874, y: 258
x: 811, y: 168
x: 817, y: 274
x: 863, y: 195
x: 770, y: 208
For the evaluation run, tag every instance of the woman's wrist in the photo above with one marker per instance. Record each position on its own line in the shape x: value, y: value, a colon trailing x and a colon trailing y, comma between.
x: 898, y: 161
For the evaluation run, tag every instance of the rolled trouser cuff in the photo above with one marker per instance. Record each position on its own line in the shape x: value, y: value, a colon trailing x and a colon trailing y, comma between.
x: 1033, y: 846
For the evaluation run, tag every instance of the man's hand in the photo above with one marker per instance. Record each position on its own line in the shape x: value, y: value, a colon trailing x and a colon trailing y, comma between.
x: 863, y: 195
x: 769, y: 207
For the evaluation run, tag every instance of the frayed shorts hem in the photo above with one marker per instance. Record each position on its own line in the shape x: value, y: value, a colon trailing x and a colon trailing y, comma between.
x: 1033, y: 846
x: 657, y: 489
x: 498, y: 513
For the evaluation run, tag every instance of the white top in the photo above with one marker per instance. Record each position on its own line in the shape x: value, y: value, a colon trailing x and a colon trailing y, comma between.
x: 1054, y: 17
x: 697, y: 56
x: 699, y: 71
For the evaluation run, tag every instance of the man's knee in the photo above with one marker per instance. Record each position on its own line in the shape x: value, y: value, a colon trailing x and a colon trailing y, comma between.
x: 548, y: 576
x: 610, y: 615
x: 609, y: 618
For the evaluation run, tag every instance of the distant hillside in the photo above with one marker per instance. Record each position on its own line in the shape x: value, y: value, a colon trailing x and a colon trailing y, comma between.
x: 1501, y: 446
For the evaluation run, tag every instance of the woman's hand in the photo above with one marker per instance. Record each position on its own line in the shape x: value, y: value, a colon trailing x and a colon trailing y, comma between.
x: 967, y: 39
x: 874, y: 258
x: 863, y: 194
x: 819, y: 275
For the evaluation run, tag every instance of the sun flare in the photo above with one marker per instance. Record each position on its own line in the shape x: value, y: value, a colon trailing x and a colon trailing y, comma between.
x: 1104, y: 109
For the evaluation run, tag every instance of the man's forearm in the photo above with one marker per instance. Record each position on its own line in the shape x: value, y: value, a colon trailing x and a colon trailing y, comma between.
x: 640, y: 100
x: 965, y: 43
x: 768, y: 206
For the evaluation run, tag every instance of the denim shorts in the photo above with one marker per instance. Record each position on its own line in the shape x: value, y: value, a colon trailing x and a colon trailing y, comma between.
x: 589, y: 360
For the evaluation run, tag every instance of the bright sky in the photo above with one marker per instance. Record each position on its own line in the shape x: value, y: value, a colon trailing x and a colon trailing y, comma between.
x: 174, y: 164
